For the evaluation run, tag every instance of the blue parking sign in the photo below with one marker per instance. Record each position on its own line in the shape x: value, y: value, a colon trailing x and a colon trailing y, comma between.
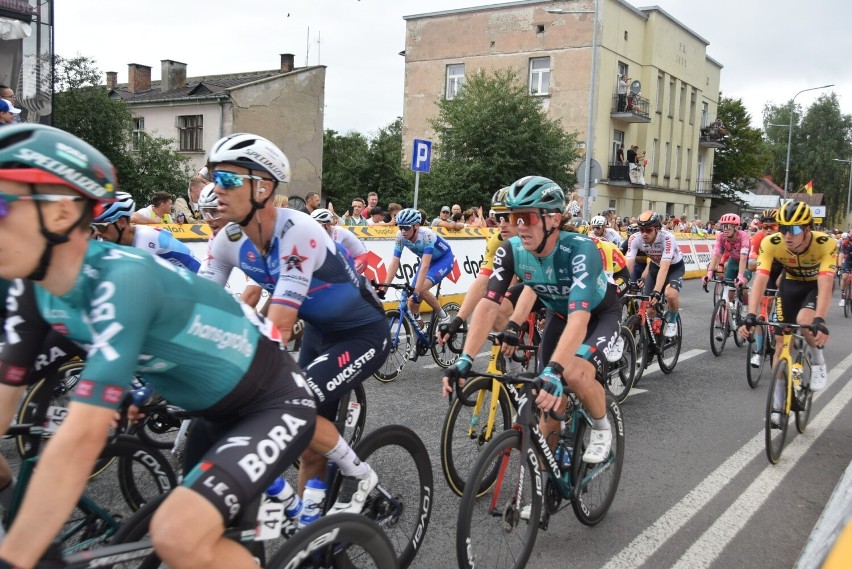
x: 421, y: 156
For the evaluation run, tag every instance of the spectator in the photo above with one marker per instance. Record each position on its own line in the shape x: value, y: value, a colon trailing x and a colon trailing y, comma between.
x: 280, y: 201
x: 353, y: 214
x: 698, y: 228
x: 619, y: 155
x: 390, y: 214
x: 158, y: 212
x: 7, y: 112
x: 377, y: 216
x: 189, y: 206
x: 8, y: 94
x: 621, y: 91
x: 682, y: 224
x: 443, y: 220
x: 456, y: 209
x: 574, y: 207
x: 711, y: 227
x: 473, y: 217
x: 372, y: 201
x: 312, y: 202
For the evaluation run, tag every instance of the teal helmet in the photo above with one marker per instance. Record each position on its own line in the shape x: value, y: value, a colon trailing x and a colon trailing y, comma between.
x: 41, y: 154
x: 536, y: 192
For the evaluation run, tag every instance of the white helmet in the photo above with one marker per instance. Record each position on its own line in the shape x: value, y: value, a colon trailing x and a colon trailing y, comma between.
x: 844, y: 235
x: 253, y: 152
x: 322, y: 215
x: 123, y: 206
x: 207, y: 197
x: 598, y: 221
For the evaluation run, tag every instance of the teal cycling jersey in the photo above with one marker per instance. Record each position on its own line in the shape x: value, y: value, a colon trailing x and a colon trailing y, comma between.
x: 137, y: 313
x: 4, y: 290
x: 426, y: 242
x: 571, y: 278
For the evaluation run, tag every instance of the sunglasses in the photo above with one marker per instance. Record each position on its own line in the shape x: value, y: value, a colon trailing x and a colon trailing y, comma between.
x: 728, y: 226
x: 6, y: 199
x: 646, y: 229
x: 100, y: 227
x: 209, y: 213
x: 229, y: 180
x: 530, y: 218
x: 501, y: 217
x: 794, y: 229
x: 405, y: 227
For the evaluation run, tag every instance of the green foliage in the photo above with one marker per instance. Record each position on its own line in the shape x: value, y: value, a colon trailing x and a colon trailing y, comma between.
x: 738, y: 166
x: 154, y: 166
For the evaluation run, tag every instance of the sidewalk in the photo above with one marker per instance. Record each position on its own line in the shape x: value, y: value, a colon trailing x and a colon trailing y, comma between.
x: 836, y: 519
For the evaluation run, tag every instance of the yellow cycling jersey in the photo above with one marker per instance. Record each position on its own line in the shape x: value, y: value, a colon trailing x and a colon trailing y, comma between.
x: 611, y: 257
x: 487, y: 266
x: 820, y: 258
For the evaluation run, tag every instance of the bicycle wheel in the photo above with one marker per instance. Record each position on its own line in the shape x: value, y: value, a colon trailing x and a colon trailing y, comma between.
x: 447, y: 354
x: 753, y: 373
x: 620, y: 374
x: 775, y: 434
x: 490, y: 531
x: 640, y: 341
x: 465, y: 430
x: 718, y: 289
x: 847, y: 306
x: 804, y: 399
x: 143, y: 472
x: 719, y: 327
x: 595, y: 485
x: 736, y: 321
x: 670, y: 348
x: 46, y: 403
x: 400, y: 333
x: 356, y: 415
x: 402, y: 501
x: 342, y: 540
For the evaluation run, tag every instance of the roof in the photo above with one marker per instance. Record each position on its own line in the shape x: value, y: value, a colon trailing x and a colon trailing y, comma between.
x: 761, y: 202
x: 765, y: 186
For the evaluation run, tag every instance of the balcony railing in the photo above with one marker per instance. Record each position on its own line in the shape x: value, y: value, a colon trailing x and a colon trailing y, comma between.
x: 712, y: 136
x: 631, y: 108
x: 619, y: 173
x: 704, y: 187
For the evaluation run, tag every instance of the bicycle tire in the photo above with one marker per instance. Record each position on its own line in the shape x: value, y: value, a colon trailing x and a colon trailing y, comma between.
x: 805, y: 399
x: 738, y: 320
x: 446, y: 355
x: 405, y: 515
x: 719, y: 327
x: 602, y: 485
x: 670, y: 351
x: 353, y: 433
x: 484, y: 539
x: 342, y: 540
x: 718, y: 289
x: 753, y: 373
x: 463, y: 434
x: 640, y: 340
x: 130, y: 453
x: 775, y: 435
x: 37, y: 399
x: 401, y: 335
x: 847, y: 306
x: 620, y: 374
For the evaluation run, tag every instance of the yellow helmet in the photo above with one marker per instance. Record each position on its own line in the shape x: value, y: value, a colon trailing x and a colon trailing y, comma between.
x: 795, y: 213
x: 498, y: 200
x: 768, y: 215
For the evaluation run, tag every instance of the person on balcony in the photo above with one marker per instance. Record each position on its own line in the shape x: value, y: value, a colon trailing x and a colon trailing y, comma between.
x: 621, y: 91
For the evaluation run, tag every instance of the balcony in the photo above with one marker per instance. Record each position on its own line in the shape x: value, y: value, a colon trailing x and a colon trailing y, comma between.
x: 704, y: 188
x: 712, y: 137
x: 619, y: 175
x: 630, y: 108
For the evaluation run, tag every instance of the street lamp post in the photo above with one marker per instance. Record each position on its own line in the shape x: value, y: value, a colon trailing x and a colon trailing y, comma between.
x: 848, y: 195
x: 790, y: 134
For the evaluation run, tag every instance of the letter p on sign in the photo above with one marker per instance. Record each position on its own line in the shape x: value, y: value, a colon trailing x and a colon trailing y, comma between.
x: 421, y: 156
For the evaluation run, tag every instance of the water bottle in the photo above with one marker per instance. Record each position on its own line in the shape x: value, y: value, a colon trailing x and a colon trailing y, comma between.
x: 312, y: 501
x: 565, y: 458
x: 281, y: 491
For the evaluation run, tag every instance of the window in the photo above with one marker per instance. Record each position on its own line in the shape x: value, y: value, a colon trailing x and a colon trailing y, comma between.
x: 677, y: 163
x: 617, y: 140
x: 654, y: 161
x: 682, y: 100
x: 660, y: 93
x: 667, y: 157
x: 704, y: 118
x: 455, y: 80
x: 670, y: 209
x: 190, y: 133
x: 138, y: 129
x: 612, y: 205
x: 692, y: 108
x: 671, y: 97
x: 688, y: 164
x: 539, y: 75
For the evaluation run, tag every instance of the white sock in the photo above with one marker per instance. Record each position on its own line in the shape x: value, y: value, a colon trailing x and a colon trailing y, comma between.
x: 816, y: 356
x: 344, y: 457
x: 601, y: 424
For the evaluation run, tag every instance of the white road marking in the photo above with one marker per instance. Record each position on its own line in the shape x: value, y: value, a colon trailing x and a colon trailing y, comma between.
x: 657, y: 534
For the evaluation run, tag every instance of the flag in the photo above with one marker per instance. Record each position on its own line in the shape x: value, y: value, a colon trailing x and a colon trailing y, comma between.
x: 809, y: 188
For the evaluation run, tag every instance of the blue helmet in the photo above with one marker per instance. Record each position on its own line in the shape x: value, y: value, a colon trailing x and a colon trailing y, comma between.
x: 408, y: 216
x: 123, y: 206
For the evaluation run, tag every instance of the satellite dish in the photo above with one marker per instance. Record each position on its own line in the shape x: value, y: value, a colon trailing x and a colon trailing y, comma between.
x: 635, y: 87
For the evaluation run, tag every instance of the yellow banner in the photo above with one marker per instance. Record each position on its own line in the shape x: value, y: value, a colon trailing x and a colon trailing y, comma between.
x: 389, y: 232
x: 187, y: 231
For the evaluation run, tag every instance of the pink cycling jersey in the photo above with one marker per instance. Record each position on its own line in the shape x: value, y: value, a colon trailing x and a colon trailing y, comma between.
x: 739, y: 245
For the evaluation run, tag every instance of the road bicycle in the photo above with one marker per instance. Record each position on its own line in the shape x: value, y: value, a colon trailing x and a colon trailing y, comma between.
x: 761, y: 342
x: 647, y: 324
x: 405, y: 330
x: 789, y: 390
x: 726, y: 318
x: 846, y: 294
x: 518, y: 482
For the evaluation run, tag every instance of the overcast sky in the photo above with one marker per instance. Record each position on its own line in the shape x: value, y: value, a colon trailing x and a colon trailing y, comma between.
x: 770, y: 50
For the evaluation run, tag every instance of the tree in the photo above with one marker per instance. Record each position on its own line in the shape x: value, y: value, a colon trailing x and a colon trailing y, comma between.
x: 737, y: 166
x: 492, y: 133
x: 344, y: 166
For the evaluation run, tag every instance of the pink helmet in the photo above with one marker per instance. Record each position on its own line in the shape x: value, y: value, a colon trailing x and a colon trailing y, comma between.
x: 730, y: 218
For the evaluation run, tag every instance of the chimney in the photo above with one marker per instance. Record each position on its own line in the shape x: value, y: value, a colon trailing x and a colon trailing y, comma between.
x: 287, y: 62
x: 173, y: 75
x: 112, y: 79
x: 138, y: 77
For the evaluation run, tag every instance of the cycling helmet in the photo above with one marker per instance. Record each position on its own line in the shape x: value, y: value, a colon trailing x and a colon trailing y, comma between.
x: 41, y: 154
x: 253, y: 152
x: 768, y: 215
x: 536, y: 192
x: 598, y: 221
x: 208, y: 198
x: 498, y: 200
x: 729, y: 219
x: 408, y: 216
x: 322, y: 215
x: 795, y: 213
x: 124, y: 206
x: 577, y: 225
x: 649, y: 219
x: 844, y: 235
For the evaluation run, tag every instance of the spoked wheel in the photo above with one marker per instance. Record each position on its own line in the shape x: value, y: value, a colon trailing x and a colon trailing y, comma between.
x: 447, y: 354
x: 491, y: 530
x: 669, y: 350
x: 640, y: 341
x: 620, y: 374
x: 804, y: 399
x: 847, y: 306
x: 401, y: 338
x: 776, y: 432
x: 753, y: 373
x: 719, y: 327
x: 718, y: 289
x: 467, y: 430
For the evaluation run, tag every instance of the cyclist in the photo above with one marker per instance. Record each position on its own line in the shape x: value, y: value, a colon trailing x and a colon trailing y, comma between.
x: 208, y: 209
x: 614, y: 263
x: 135, y: 313
x: 582, y: 322
x: 114, y: 225
x: 436, y: 260
x: 600, y: 230
x: 666, y: 267
x: 736, y: 243
x: 353, y: 246
x: 346, y: 336
x: 845, y: 261
x: 808, y: 258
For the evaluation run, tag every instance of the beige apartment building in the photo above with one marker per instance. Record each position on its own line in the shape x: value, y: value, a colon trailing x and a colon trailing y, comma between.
x: 668, y: 113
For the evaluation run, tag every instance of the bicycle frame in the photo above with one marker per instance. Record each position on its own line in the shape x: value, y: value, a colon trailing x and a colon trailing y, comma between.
x: 793, y: 342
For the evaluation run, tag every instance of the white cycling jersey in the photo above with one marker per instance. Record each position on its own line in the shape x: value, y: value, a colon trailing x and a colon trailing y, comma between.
x: 354, y: 246
x: 163, y: 244
x: 663, y: 247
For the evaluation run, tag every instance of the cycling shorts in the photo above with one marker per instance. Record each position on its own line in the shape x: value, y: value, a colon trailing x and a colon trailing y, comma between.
x: 732, y: 269
x: 674, y: 278
x: 847, y: 264
x: 438, y: 269
x: 56, y: 351
x: 336, y: 362
x: 240, y: 445
x: 792, y: 297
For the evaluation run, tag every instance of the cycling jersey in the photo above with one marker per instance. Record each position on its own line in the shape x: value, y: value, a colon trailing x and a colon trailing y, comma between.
x: 664, y: 247
x: 487, y: 266
x: 610, y: 235
x: 818, y: 259
x: 845, y: 250
x: 570, y: 279
x: 165, y: 245
x: 303, y: 268
x: 735, y: 248
x: 425, y: 242
x: 353, y: 246
x: 755, y: 244
x: 4, y: 290
x: 614, y: 264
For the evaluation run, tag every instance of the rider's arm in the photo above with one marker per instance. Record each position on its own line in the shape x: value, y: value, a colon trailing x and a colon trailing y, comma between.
x: 714, y: 261
x: 758, y: 286
x: 825, y: 284
x: 251, y: 294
